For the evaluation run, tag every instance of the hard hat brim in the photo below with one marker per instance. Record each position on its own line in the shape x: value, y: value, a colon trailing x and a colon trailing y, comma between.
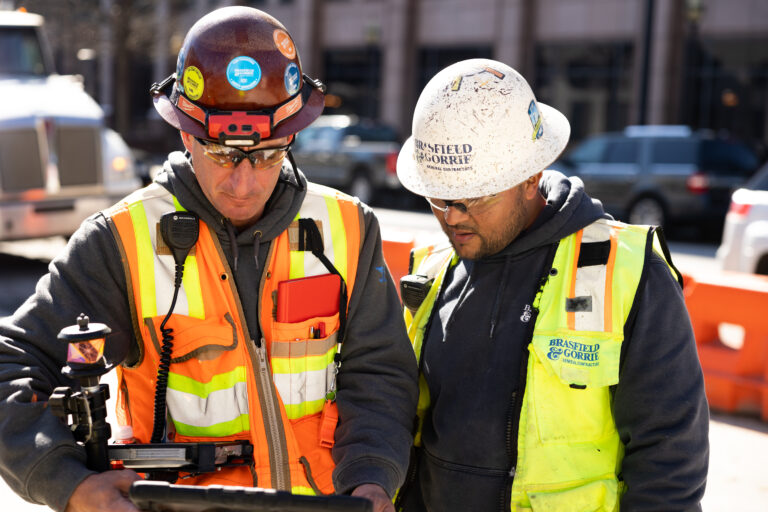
x: 179, y: 120
x: 549, y: 146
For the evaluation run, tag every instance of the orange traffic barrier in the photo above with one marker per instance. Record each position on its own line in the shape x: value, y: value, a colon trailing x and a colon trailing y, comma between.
x: 735, y: 374
x: 397, y: 253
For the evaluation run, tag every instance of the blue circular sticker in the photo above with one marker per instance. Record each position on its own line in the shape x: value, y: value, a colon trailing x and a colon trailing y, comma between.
x: 243, y: 73
x: 292, y: 79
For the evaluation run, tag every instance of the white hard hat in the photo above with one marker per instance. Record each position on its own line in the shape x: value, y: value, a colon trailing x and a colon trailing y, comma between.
x: 478, y: 130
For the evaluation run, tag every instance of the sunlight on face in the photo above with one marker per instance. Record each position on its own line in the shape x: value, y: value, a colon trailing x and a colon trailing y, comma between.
x: 238, y: 193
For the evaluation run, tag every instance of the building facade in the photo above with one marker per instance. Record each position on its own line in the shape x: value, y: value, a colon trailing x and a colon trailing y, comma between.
x: 603, y: 63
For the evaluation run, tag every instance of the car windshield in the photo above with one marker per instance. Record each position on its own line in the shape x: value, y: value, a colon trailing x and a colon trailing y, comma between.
x: 372, y: 133
x: 622, y: 151
x: 674, y: 150
x: 591, y: 150
x: 318, y: 138
x: 760, y: 180
x: 725, y: 157
x: 21, y: 52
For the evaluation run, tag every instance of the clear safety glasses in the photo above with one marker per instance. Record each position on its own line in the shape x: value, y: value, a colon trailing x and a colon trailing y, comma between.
x: 473, y: 206
x: 228, y: 156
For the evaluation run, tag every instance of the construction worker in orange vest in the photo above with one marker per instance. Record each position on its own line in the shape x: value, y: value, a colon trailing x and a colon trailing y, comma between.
x: 277, y: 323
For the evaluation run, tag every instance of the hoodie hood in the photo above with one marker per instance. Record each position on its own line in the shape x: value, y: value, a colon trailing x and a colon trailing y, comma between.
x: 178, y: 177
x: 568, y: 209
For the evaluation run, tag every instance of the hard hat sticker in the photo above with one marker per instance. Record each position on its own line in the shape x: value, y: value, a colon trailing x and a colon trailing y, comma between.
x: 292, y: 79
x: 243, y: 73
x: 533, y: 113
x: 193, y: 83
x: 498, y: 74
x: 456, y: 84
x: 284, y: 43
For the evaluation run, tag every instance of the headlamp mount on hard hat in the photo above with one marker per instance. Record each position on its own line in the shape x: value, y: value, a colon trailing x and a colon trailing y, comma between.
x: 237, y: 128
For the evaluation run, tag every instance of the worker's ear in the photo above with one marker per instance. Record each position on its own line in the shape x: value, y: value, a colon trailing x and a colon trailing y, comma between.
x: 187, y: 140
x: 531, y: 186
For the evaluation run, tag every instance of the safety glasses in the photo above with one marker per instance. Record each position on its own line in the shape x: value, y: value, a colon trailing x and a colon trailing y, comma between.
x: 473, y: 206
x: 229, y: 156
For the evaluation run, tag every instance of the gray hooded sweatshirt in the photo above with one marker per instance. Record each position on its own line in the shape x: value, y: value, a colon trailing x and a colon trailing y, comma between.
x: 473, y: 362
x: 376, y: 385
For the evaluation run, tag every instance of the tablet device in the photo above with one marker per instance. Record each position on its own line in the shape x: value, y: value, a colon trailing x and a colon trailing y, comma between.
x: 154, y: 496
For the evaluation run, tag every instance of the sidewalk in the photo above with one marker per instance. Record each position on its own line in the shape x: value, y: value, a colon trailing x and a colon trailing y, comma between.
x: 738, y: 479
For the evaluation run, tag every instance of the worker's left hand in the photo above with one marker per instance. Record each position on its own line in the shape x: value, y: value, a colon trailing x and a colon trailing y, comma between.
x: 376, y: 494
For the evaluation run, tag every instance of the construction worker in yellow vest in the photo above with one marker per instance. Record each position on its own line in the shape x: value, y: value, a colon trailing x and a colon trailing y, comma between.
x: 283, y: 327
x: 558, y: 366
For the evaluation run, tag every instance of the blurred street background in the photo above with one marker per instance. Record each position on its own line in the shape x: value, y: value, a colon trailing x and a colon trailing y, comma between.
x: 667, y: 100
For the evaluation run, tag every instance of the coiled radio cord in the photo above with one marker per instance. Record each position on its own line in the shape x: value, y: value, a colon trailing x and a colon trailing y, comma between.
x: 163, y: 369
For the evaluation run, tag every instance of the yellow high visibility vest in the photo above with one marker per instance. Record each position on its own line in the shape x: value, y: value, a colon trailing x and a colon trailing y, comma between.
x: 222, y: 385
x: 568, y: 450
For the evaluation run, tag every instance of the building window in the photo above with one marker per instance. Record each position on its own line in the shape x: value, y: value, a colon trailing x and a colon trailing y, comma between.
x: 725, y: 84
x: 590, y: 83
x: 354, y: 75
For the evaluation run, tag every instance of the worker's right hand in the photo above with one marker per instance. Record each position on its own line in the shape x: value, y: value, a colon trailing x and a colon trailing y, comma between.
x: 104, y: 491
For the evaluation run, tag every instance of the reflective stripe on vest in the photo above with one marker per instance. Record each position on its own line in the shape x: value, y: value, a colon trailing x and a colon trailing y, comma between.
x: 326, y: 210
x: 568, y: 449
x: 209, y: 409
x: 154, y: 297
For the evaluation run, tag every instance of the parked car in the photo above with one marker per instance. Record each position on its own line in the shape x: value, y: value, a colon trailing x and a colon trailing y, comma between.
x: 349, y: 153
x: 745, y: 235
x: 59, y: 163
x: 661, y: 174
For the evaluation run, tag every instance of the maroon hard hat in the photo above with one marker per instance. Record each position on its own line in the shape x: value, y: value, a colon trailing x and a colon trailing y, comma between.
x: 238, y: 81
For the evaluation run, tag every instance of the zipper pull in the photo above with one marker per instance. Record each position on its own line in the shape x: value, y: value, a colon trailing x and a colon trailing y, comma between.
x: 261, y: 353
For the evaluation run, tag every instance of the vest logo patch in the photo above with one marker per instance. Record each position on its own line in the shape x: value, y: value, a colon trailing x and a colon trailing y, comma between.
x: 573, y: 352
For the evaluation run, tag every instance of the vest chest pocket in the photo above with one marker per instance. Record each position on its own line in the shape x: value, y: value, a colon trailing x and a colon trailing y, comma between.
x: 570, y: 375
x: 302, y: 358
x: 207, y: 394
x: 195, y: 338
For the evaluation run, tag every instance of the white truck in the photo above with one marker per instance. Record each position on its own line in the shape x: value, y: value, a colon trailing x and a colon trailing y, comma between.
x: 59, y: 163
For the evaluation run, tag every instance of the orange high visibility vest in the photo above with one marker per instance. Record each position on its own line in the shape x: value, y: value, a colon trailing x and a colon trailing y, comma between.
x: 222, y: 385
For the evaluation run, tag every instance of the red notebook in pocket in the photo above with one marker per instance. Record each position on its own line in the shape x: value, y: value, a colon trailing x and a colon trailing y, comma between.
x: 308, y: 297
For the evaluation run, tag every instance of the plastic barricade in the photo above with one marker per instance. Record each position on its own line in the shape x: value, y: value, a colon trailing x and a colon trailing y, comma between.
x: 397, y: 253
x: 736, y: 377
